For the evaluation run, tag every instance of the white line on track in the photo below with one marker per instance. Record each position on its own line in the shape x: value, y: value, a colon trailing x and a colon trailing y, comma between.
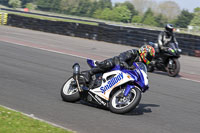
x: 190, y: 79
x: 59, y: 52
x: 54, y: 51
x: 45, y: 49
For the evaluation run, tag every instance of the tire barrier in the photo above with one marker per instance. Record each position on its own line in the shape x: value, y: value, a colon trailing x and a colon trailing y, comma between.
x: 190, y: 44
x: 3, y: 18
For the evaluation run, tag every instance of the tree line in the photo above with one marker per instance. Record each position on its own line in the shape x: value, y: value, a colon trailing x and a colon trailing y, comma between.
x: 146, y: 12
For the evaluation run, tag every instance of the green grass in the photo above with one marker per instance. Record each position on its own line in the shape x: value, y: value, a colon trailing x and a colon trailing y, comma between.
x: 182, y: 30
x: 16, y: 122
x: 51, y: 18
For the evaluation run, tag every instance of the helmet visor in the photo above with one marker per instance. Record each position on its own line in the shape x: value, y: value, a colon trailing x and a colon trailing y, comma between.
x: 149, y: 57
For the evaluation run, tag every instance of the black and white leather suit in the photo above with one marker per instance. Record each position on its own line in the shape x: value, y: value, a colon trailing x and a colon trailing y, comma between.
x: 124, y: 59
x: 165, y: 39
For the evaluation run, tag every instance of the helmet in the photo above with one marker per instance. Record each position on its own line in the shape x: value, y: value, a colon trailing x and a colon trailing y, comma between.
x: 169, y: 29
x: 147, y: 53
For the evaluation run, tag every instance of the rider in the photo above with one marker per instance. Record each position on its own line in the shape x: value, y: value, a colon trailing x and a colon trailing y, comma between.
x: 166, y: 37
x: 125, y: 59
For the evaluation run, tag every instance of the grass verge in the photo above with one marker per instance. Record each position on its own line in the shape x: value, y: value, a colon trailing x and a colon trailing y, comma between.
x: 51, y: 18
x: 134, y: 25
x: 16, y: 122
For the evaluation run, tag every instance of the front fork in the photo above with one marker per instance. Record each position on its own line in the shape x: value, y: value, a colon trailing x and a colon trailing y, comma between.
x: 128, y: 89
x: 170, y: 63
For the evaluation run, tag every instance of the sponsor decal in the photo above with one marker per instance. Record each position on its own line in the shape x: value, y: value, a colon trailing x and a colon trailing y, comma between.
x: 98, y: 98
x: 112, y: 82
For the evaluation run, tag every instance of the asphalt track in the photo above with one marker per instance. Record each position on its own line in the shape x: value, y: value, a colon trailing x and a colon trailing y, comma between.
x: 33, y: 71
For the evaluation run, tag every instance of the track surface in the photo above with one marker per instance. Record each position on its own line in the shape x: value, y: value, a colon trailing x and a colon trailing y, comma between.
x: 30, y: 81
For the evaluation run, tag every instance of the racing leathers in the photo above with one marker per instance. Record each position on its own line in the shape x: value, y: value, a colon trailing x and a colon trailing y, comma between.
x: 165, y: 39
x: 124, y: 59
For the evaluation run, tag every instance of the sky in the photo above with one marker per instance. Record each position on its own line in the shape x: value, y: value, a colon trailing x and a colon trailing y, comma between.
x: 184, y: 4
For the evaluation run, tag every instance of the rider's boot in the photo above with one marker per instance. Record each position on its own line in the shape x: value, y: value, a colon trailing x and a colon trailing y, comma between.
x: 91, y: 84
x: 88, y: 74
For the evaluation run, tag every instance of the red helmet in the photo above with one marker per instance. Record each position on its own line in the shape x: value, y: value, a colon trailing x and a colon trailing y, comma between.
x: 147, y: 53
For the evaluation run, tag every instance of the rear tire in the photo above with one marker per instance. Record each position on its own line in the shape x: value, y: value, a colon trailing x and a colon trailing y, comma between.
x: 70, y: 93
x: 172, y: 72
x: 121, y: 105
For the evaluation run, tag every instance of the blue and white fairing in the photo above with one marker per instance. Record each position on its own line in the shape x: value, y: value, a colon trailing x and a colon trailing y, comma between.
x: 119, y: 76
x: 139, y: 74
x: 91, y: 63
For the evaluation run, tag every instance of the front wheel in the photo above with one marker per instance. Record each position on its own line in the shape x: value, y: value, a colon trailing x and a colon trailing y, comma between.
x: 173, y: 68
x: 121, y: 104
x: 150, y: 68
x: 69, y: 91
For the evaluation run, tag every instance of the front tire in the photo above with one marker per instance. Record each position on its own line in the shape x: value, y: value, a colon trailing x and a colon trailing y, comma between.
x: 120, y: 104
x: 150, y: 68
x: 69, y: 92
x: 174, y: 71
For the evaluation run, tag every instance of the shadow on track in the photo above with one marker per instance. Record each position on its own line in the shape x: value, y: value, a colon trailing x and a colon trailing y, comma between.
x: 139, y: 110
x: 142, y: 108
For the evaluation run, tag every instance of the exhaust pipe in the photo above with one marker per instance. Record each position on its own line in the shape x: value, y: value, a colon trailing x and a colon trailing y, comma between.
x: 76, y: 69
x: 76, y: 74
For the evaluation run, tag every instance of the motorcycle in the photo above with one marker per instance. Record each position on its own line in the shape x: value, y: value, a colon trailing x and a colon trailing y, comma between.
x: 119, y: 90
x: 166, y: 60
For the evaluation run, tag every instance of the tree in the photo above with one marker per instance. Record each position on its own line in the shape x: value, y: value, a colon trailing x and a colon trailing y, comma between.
x: 14, y: 3
x: 102, y: 4
x: 31, y: 6
x: 24, y: 2
x: 49, y: 5
x: 79, y: 7
x: 105, y: 14
x: 143, y: 5
x: 196, y: 19
x: 4, y: 2
x: 149, y: 18
x: 121, y: 14
x: 184, y: 19
x: 140, y: 5
x: 68, y: 5
x: 169, y: 9
x: 92, y: 9
x: 130, y: 6
x: 83, y: 7
x: 161, y: 20
x: 54, y: 5
x: 137, y: 19
x: 197, y: 9
x: 97, y: 13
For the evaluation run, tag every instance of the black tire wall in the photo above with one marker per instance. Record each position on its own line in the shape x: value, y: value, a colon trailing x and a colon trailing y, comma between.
x: 190, y: 44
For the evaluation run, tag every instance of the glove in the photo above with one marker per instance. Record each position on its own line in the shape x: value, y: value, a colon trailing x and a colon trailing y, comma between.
x: 166, y: 49
x: 131, y: 67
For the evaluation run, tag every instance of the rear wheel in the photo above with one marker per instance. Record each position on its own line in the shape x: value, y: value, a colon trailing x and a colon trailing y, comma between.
x: 69, y: 91
x: 121, y: 104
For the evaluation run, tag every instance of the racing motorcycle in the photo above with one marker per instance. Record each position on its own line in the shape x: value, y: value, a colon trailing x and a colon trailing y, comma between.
x: 166, y: 60
x: 119, y: 90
